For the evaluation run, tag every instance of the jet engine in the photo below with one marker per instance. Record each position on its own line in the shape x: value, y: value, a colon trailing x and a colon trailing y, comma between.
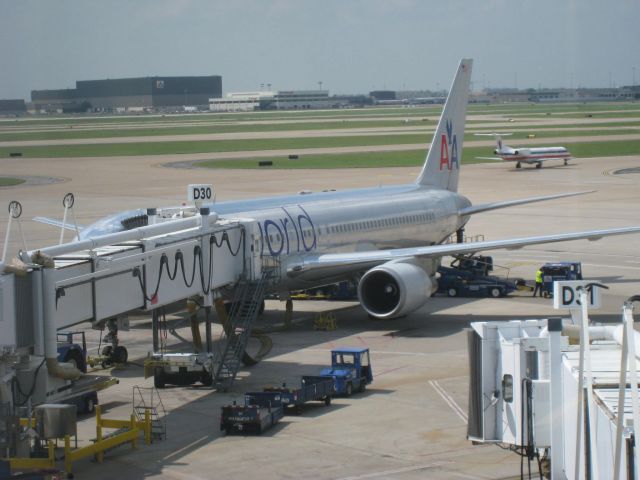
x: 394, y: 289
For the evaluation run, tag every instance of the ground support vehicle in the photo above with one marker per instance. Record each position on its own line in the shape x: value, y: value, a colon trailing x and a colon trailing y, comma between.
x: 83, y: 393
x: 313, y: 388
x: 468, y: 276
x: 179, y: 369
x: 261, y: 411
x: 350, y: 370
x: 559, y: 271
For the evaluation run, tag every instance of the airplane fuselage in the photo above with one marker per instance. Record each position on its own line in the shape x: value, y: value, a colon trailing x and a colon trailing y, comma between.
x: 533, y: 155
x: 349, y: 221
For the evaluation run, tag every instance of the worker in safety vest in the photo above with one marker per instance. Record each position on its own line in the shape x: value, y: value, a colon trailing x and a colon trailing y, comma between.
x: 538, y: 283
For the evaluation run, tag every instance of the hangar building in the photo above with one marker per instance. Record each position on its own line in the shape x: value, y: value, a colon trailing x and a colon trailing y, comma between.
x: 130, y: 94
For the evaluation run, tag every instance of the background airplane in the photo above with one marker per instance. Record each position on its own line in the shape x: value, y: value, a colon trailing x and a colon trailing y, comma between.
x: 391, y: 238
x: 528, y: 155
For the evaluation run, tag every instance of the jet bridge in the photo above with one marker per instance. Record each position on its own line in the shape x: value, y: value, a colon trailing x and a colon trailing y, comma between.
x: 560, y: 392
x: 104, y: 278
x: 110, y: 280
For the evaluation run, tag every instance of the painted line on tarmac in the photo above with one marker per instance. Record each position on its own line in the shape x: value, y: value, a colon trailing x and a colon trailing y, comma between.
x: 386, y: 473
x: 449, y: 400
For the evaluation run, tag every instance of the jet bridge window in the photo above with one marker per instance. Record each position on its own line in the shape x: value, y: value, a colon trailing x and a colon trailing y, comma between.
x: 507, y: 388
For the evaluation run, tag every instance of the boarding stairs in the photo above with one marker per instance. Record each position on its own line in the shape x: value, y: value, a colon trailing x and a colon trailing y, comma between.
x: 148, y: 398
x: 237, y: 329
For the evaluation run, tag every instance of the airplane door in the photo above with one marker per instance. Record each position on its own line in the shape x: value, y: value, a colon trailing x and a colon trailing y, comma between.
x: 253, y: 263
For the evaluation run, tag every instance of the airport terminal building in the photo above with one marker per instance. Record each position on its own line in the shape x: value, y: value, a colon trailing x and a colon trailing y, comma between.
x: 277, y: 100
x: 130, y: 94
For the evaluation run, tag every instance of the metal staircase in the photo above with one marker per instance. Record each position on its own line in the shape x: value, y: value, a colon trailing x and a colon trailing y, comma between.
x: 148, y: 398
x: 237, y: 330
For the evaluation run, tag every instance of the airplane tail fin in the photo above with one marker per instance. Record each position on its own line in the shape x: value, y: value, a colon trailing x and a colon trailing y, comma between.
x: 498, y: 136
x: 442, y: 165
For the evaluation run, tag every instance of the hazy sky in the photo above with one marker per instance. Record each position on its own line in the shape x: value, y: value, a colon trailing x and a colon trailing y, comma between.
x: 351, y: 46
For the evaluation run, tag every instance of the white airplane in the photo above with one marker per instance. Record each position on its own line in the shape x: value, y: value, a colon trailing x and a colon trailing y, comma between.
x: 390, y: 237
x: 528, y: 155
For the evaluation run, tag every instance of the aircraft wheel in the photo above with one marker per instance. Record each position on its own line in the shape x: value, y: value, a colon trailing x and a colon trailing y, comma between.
x: 518, y: 165
x: 452, y: 292
x: 538, y: 165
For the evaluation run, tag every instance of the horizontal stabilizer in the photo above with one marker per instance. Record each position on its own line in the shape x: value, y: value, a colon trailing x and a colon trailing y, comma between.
x: 485, y: 207
x: 492, y: 134
x: 490, y: 158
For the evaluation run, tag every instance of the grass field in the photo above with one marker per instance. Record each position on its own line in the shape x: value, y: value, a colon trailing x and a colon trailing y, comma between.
x: 9, y: 182
x: 410, y: 158
x: 207, y: 146
x: 114, y: 127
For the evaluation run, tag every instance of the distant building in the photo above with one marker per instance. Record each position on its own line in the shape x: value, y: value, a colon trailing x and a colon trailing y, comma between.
x: 378, y: 95
x: 238, y: 102
x: 130, y: 94
x: 279, y: 100
x: 12, y: 107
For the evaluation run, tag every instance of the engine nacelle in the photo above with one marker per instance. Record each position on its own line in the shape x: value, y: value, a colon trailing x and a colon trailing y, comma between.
x: 394, y: 289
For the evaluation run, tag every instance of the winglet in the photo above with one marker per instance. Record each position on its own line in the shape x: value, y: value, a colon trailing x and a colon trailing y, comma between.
x: 442, y: 165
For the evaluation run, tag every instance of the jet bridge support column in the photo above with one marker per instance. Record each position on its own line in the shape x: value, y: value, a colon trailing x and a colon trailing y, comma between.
x: 154, y: 330
x: 207, y: 317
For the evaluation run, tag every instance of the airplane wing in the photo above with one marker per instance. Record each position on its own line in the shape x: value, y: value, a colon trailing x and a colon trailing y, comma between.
x: 324, y: 265
x: 485, y: 207
x: 57, y: 223
x: 490, y: 158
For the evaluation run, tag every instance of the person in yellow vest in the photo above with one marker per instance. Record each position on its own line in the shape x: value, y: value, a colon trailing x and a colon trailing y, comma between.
x: 538, y: 283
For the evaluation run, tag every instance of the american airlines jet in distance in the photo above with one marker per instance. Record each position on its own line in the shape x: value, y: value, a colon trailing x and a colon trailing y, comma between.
x: 390, y: 237
x: 529, y: 155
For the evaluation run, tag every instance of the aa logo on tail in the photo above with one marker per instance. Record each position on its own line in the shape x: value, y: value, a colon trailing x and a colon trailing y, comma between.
x: 449, y: 149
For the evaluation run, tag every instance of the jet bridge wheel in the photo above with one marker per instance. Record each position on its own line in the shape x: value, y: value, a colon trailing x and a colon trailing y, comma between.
x: 120, y: 354
x: 107, y: 353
